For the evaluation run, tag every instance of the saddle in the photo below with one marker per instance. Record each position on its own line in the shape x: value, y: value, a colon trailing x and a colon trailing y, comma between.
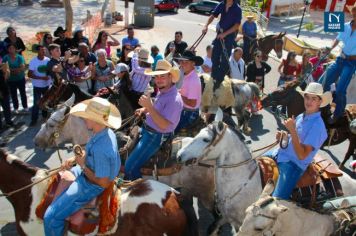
x: 100, y: 212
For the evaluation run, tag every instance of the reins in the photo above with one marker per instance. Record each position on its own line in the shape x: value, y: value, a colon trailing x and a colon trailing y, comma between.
x: 197, y: 42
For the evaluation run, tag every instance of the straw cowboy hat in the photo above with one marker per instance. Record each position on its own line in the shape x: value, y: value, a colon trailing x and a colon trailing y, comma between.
x: 143, y: 55
x: 189, y: 56
x: 250, y: 17
x: 58, y: 31
x: 164, y: 67
x: 317, y: 89
x: 99, y: 110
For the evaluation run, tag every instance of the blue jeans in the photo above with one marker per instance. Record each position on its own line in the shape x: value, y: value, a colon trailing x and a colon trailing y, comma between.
x: 21, y: 86
x: 186, y: 118
x: 78, y: 194
x: 289, y: 175
x: 148, y: 145
x: 5, y: 103
x: 220, y: 63
x: 344, y: 69
x: 37, y: 94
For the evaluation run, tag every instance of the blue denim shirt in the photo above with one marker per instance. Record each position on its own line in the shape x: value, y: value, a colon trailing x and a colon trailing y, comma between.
x: 250, y: 29
x: 102, y: 154
x: 230, y: 18
x: 311, y: 131
x: 349, y: 39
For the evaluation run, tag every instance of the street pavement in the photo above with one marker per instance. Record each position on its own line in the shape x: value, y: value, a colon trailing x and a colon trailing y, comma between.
x: 29, y: 20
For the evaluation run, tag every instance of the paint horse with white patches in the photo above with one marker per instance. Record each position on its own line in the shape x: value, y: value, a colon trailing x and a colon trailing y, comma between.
x: 238, y: 183
x: 147, y: 207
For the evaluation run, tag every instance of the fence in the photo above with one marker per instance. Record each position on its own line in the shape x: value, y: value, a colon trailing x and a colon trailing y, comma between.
x: 91, y: 24
x: 261, y: 20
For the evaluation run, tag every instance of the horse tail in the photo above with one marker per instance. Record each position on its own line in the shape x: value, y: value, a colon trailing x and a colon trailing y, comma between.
x: 189, y: 205
x: 255, y: 89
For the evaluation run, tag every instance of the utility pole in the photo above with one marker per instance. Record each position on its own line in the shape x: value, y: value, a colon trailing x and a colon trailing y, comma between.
x: 306, y: 3
x: 126, y: 13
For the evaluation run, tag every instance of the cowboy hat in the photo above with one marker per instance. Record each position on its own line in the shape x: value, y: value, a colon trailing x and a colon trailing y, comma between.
x: 317, y: 89
x: 250, y: 16
x: 164, y: 67
x: 189, y: 56
x: 99, y: 110
x: 143, y: 55
x: 121, y: 67
x: 58, y: 31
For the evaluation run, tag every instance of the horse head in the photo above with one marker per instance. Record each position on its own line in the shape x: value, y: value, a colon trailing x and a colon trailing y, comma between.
x: 262, y: 215
x: 57, y: 129
x: 52, y: 96
x: 282, y: 95
x: 274, y: 41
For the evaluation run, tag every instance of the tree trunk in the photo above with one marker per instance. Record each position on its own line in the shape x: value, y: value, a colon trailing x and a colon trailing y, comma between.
x: 69, y: 16
x: 103, y: 9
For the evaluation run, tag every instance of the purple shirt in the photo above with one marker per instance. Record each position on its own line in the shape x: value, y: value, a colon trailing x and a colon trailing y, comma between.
x: 169, y: 104
x: 230, y: 18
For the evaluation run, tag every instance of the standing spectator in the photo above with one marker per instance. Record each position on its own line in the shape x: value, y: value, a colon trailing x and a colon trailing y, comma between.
x: 179, y: 45
x: 256, y: 71
x: 4, y: 94
x: 80, y: 74
x: 78, y: 37
x: 141, y: 61
x: 190, y: 90
x: 130, y: 39
x: 13, y: 39
x: 288, y: 68
x: 207, y: 64
x: 54, y: 67
x: 156, y: 55
x: 84, y: 52
x: 16, y: 80
x: 249, y: 32
x: 124, y: 55
x: 40, y: 81
x: 47, y: 40
x: 103, y: 43
x: 344, y: 67
x: 319, y: 60
x: 230, y: 18
x: 237, y: 64
x: 124, y: 84
x: 304, y: 69
x: 102, y: 71
x: 64, y: 42
x: 171, y: 52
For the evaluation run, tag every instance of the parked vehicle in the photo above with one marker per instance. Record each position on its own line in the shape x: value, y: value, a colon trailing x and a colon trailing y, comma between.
x: 205, y: 6
x: 166, y: 5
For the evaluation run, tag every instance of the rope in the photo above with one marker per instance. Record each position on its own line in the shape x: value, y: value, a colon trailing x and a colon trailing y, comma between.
x: 126, y: 121
x: 197, y: 42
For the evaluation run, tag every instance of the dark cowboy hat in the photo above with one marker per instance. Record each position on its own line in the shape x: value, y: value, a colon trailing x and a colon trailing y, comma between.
x: 58, y: 31
x: 190, y: 56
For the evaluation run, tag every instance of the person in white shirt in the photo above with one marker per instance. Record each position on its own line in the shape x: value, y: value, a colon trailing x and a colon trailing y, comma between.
x: 207, y: 64
x: 40, y: 81
x: 237, y: 64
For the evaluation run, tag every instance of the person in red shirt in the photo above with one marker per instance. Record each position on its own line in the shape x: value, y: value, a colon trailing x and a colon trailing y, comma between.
x: 319, y: 70
x: 288, y: 68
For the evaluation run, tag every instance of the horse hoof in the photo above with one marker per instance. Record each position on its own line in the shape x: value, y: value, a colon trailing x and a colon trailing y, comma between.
x: 247, y: 131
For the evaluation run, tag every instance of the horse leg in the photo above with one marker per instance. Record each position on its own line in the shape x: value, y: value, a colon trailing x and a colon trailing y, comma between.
x: 350, y: 151
x: 246, y: 120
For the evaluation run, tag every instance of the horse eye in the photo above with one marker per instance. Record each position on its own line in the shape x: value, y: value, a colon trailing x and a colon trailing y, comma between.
x: 206, y: 140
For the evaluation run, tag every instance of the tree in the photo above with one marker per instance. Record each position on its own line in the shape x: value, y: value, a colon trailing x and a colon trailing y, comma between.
x: 69, y: 16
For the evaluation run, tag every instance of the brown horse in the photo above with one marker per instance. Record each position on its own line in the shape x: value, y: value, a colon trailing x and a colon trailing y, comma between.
x: 287, y: 95
x: 265, y: 45
x: 146, y: 207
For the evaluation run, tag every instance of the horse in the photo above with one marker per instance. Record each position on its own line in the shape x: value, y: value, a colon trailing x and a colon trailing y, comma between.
x: 231, y: 93
x: 64, y: 90
x: 271, y: 216
x: 237, y: 183
x: 265, y: 45
x: 286, y: 95
x: 156, y: 205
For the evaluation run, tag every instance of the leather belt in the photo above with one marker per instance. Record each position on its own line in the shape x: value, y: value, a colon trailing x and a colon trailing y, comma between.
x: 148, y: 128
x: 346, y: 57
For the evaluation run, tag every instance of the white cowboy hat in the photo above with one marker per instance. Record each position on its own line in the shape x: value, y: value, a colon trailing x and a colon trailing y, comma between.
x: 121, y: 67
x: 143, y: 55
x: 99, y: 110
x: 164, y: 67
x: 317, y: 89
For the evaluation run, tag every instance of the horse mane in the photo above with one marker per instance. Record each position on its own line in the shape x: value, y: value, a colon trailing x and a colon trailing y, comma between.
x: 18, y: 163
x: 78, y: 92
x: 292, y: 84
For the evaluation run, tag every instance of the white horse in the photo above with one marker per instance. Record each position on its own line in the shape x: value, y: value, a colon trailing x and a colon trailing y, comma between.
x: 63, y: 128
x: 270, y: 216
x: 238, y: 182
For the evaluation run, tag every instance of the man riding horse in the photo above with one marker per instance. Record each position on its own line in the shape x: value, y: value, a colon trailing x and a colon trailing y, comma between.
x: 95, y: 170
x: 162, y: 117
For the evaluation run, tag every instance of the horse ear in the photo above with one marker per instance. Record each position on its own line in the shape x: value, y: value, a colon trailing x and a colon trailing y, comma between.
x: 268, y: 189
x: 219, y: 115
x: 70, y: 101
x: 220, y: 127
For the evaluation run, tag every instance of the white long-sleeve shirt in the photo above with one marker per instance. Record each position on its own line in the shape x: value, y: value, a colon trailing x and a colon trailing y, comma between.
x: 236, y: 71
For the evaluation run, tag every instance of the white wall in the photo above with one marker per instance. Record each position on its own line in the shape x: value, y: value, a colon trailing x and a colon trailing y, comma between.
x: 283, y: 2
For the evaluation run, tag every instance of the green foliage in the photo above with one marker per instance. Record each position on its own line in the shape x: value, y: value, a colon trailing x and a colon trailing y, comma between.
x: 309, y: 26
